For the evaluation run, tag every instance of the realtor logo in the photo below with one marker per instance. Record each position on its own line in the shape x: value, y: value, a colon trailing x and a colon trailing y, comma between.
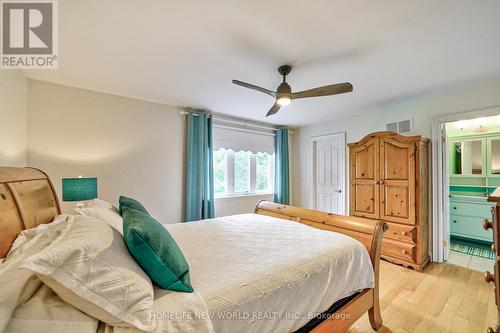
x: 29, y: 34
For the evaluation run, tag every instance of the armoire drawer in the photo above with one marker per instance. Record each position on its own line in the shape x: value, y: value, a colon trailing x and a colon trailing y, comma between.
x: 400, y: 250
x: 401, y: 232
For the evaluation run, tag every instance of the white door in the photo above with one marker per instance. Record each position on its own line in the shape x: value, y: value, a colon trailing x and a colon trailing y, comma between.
x: 328, y: 173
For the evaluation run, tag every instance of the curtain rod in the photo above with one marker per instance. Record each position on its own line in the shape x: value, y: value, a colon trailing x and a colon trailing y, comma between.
x: 238, y: 122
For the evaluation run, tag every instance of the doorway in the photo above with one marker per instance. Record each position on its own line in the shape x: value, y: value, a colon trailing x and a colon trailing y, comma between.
x: 328, y: 173
x: 463, y: 176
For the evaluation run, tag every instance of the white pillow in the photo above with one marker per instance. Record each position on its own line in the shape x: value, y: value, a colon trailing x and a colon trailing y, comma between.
x: 22, y: 284
x: 106, y: 214
x: 91, y: 269
x: 100, y: 203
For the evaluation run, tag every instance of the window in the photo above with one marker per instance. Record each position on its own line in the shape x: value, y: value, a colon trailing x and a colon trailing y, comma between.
x: 220, y: 171
x: 263, y: 172
x: 242, y: 173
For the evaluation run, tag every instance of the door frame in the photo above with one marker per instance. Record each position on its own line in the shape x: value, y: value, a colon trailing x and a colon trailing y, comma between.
x: 440, y: 182
x: 312, y: 145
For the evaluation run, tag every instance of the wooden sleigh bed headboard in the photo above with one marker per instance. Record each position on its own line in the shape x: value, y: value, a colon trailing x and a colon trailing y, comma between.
x: 27, y: 199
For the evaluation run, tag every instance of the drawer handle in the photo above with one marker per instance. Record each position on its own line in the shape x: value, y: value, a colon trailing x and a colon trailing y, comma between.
x: 488, y: 277
x: 403, y: 233
x: 487, y: 224
x: 454, y: 221
x: 454, y: 207
x: 404, y: 251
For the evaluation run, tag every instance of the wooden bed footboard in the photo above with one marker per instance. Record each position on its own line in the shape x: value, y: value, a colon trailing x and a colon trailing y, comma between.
x: 367, y: 231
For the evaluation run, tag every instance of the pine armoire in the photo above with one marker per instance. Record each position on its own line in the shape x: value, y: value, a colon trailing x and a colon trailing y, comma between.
x: 389, y: 181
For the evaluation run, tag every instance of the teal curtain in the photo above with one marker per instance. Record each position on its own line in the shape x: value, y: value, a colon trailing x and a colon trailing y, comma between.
x: 281, y: 173
x: 199, y: 167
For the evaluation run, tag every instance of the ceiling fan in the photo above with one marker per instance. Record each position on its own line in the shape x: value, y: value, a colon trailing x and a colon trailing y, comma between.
x: 284, y: 95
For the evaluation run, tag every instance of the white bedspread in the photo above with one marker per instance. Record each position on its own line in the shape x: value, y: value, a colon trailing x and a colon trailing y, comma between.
x: 261, y: 274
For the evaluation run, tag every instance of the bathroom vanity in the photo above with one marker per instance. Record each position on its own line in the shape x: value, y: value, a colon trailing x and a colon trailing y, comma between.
x: 467, y: 214
x: 474, y: 170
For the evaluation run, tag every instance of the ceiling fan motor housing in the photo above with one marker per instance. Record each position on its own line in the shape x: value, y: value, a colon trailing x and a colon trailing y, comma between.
x: 284, y: 90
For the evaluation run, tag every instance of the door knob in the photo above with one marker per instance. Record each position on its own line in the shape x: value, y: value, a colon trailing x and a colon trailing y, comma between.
x: 338, y: 191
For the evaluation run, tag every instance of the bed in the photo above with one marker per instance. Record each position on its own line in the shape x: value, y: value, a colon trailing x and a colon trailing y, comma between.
x: 266, y: 264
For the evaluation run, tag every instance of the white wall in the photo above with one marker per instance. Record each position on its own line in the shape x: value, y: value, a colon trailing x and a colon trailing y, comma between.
x: 422, y: 109
x: 135, y: 148
x: 13, y: 118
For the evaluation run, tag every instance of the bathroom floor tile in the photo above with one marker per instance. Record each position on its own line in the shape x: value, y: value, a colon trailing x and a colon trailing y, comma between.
x: 481, y: 264
x: 459, y: 259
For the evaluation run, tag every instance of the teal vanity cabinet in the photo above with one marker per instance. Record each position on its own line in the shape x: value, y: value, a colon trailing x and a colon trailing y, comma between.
x: 474, y: 166
x: 467, y: 214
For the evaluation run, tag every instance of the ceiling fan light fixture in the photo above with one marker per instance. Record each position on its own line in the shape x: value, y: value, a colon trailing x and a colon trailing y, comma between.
x: 284, y: 101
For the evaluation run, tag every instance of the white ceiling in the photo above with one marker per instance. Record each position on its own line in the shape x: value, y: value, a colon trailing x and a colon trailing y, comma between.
x: 186, y: 52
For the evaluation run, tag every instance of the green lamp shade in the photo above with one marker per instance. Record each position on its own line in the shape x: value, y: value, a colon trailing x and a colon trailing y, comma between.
x: 79, y: 189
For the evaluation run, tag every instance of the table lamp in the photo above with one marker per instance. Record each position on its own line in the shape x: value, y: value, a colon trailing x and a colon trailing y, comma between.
x: 79, y: 189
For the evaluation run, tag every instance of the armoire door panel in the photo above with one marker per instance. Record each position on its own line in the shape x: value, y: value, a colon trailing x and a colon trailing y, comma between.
x: 397, y: 190
x: 396, y: 203
x: 364, y: 171
x: 366, y: 200
x: 365, y: 161
x: 395, y: 166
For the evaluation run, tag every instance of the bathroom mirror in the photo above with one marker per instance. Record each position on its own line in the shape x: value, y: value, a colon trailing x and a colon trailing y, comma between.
x: 495, y: 156
x: 467, y: 157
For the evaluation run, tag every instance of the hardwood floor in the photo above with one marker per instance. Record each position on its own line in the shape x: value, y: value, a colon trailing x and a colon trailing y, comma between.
x: 444, y: 298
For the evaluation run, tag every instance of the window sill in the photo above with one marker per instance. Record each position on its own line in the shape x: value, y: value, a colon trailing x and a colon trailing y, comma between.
x: 243, y: 196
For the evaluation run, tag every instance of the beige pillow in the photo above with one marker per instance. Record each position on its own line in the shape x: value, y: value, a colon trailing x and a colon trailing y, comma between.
x: 44, y: 311
x: 91, y: 269
x: 51, y: 231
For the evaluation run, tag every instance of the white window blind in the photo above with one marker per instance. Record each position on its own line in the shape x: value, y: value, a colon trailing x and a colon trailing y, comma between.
x: 237, y: 140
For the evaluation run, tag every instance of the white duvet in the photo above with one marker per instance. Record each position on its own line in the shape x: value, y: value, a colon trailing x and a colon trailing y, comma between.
x: 253, y: 273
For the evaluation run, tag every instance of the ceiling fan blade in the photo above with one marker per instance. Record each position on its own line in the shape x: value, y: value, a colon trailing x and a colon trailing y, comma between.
x: 254, y: 87
x: 273, y: 110
x: 332, y: 89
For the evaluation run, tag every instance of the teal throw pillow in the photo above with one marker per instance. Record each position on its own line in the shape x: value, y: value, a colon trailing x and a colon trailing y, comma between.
x: 155, y: 251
